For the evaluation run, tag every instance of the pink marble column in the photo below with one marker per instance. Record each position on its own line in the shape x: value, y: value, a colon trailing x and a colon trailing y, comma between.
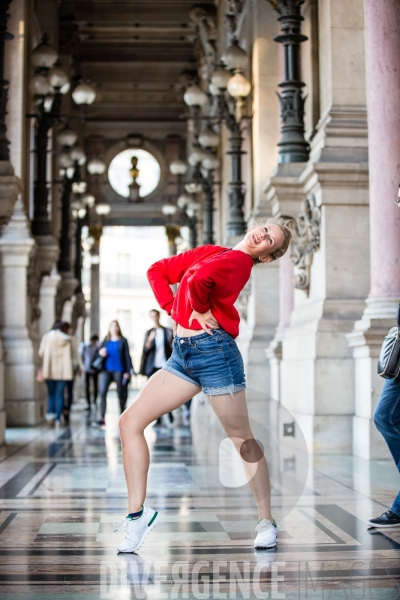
x: 383, y: 98
x: 286, y: 290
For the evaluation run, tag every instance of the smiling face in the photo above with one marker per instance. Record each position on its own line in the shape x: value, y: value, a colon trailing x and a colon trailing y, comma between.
x: 261, y: 242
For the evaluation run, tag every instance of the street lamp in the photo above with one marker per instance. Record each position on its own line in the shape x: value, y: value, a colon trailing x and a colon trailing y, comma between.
x: 96, y: 166
x: 47, y: 86
x: 102, y: 208
x: 238, y: 88
x: 178, y: 168
x: 84, y: 94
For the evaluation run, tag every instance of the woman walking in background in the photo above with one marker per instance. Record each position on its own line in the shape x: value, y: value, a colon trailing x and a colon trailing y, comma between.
x: 57, y: 352
x: 117, y: 368
x: 76, y: 370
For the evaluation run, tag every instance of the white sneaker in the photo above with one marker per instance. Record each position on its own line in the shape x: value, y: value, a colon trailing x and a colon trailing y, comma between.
x: 51, y: 417
x: 267, y: 534
x: 138, y: 530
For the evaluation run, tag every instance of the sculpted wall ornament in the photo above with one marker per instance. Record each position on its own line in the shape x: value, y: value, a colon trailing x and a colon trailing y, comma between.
x: 206, y: 46
x: 307, y: 242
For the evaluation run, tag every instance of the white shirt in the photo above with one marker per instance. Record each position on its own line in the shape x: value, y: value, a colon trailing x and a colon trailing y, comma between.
x: 159, y: 359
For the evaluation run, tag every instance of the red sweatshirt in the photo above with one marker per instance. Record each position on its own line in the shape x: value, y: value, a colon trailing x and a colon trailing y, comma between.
x: 210, y: 277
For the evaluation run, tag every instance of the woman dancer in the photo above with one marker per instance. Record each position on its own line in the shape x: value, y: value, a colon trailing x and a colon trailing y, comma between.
x: 205, y: 356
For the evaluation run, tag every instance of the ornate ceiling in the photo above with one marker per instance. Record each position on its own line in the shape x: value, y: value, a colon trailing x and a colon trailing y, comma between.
x: 136, y: 53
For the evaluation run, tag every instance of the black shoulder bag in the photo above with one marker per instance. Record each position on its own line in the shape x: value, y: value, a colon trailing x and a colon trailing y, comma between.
x: 389, y: 358
x: 98, y: 361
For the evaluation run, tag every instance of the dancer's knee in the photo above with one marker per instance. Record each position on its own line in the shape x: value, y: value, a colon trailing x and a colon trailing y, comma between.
x: 128, y: 423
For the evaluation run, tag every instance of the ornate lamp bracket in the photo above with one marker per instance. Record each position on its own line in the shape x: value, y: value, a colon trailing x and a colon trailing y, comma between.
x: 307, y: 242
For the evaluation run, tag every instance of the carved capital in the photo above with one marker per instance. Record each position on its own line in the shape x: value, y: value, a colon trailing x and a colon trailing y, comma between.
x: 307, y: 242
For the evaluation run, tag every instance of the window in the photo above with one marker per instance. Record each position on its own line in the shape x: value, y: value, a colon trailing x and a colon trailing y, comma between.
x: 124, y: 264
x: 149, y: 172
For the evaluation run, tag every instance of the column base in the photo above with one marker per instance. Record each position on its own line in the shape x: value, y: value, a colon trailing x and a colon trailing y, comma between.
x: 326, y: 434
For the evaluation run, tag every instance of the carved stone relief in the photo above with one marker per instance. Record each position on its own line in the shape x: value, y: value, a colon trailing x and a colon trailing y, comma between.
x: 307, y: 242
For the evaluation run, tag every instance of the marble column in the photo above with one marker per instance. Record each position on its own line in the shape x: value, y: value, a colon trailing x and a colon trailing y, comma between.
x: 282, y: 194
x: 23, y: 403
x: 317, y: 369
x: 47, y: 302
x: 383, y: 101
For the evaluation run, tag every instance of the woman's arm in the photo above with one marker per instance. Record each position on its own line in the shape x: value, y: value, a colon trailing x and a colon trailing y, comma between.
x: 166, y: 272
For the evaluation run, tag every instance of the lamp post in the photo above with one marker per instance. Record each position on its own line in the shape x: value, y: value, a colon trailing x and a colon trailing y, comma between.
x: 47, y: 86
x: 238, y: 88
x: 292, y: 146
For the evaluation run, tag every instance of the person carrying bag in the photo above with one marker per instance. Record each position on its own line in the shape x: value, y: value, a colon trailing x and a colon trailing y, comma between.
x: 387, y: 413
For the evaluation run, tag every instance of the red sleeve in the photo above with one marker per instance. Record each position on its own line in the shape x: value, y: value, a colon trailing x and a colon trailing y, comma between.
x: 168, y: 271
x: 200, y: 286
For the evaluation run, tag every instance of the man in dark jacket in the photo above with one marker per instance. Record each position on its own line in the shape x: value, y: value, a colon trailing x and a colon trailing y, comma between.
x: 156, y: 350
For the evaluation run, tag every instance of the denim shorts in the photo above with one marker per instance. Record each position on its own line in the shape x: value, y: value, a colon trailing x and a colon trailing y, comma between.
x: 212, y: 362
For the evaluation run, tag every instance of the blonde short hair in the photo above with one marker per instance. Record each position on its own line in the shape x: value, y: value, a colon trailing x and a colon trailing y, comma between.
x: 289, y: 230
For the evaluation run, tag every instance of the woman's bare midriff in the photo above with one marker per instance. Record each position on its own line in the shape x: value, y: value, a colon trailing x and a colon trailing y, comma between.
x: 183, y: 332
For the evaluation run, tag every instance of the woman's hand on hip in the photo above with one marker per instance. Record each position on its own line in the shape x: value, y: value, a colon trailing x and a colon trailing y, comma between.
x: 103, y: 352
x: 206, y: 320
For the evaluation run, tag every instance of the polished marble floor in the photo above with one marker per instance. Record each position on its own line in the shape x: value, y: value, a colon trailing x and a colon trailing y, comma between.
x: 62, y: 490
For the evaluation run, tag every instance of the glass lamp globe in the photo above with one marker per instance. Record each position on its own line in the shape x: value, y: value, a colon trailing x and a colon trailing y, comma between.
x: 235, y: 57
x: 190, y: 213
x: 48, y: 102
x: 74, y: 213
x: 178, y: 167
x: 82, y: 213
x: 66, y: 136
x: 194, y: 96
x: 220, y: 78
x: 77, y: 155
x: 183, y: 200
x: 239, y: 86
x: 168, y: 209
x: 89, y: 200
x: 214, y: 91
x: 65, y: 88
x: 96, y: 166
x: 65, y: 161
x: 102, y: 208
x: 95, y: 259
x: 196, y: 157
x: 44, y: 55
x: 76, y: 204
x: 83, y: 94
x: 70, y: 172
x: 193, y: 188
x: 39, y: 85
x: 57, y: 77
x: 209, y: 139
x: 210, y: 163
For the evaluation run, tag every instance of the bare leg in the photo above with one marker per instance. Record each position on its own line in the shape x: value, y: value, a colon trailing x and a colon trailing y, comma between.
x: 233, y: 415
x: 162, y: 393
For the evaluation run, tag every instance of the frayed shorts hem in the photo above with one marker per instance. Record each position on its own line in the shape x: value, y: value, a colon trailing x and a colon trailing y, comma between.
x: 227, y: 389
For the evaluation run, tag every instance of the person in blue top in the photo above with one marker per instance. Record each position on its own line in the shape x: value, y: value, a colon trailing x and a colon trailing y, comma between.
x: 117, y: 367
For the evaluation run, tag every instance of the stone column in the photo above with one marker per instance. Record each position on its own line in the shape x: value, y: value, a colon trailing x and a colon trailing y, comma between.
x: 332, y: 272
x: 47, y: 302
x: 22, y: 403
x: 383, y: 80
x: 283, y: 194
